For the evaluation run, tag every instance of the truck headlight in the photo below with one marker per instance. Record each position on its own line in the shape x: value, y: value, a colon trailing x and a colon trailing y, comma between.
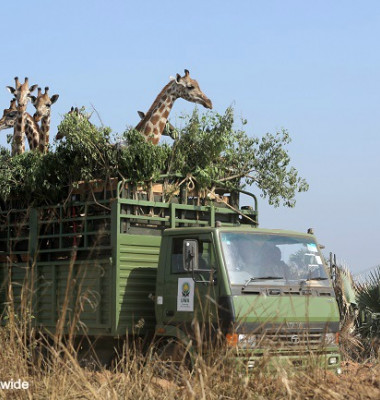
x: 333, y: 360
x: 247, y: 341
x: 244, y: 341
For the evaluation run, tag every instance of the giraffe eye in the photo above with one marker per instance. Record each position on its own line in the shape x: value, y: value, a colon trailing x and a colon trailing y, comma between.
x: 190, y: 87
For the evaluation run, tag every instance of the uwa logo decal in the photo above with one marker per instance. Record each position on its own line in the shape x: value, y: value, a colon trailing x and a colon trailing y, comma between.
x: 185, y: 294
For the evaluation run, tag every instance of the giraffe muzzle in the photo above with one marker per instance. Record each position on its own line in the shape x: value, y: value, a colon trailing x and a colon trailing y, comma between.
x: 206, y: 102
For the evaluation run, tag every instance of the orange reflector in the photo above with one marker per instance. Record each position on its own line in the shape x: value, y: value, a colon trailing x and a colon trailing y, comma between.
x: 160, y: 330
x: 232, y: 339
x: 337, y: 338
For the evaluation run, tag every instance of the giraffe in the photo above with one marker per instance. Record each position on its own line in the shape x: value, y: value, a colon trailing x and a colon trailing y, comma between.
x: 32, y: 131
x: 21, y: 93
x: 153, y: 124
x: 75, y: 111
x: 42, y: 103
x: 9, y: 116
x: 169, y: 129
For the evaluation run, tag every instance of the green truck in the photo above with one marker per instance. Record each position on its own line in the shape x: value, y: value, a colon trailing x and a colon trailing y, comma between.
x: 118, y: 261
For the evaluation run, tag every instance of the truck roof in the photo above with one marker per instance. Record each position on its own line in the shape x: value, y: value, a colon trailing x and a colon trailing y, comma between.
x: 241, y: 228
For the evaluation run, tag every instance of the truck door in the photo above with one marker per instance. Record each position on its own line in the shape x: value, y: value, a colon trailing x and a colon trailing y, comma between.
x: 194, y: 294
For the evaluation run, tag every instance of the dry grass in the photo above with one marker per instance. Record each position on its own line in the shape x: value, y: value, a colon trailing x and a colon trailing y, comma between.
x: 53, y: 372
x: 58, y: 375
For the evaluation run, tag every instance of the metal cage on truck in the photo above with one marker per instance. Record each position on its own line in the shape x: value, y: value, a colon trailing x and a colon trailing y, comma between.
x: 91, y: 262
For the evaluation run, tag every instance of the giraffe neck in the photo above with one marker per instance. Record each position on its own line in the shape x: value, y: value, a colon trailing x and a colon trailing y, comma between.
x: 18, y: 143
x: 152, y: 126
x: 44, y: 134
x: 32, y: 132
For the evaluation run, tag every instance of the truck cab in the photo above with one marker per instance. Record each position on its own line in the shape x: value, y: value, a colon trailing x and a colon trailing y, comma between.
x: 262, y: 291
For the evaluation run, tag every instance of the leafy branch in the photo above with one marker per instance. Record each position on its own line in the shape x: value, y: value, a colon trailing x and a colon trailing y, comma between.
x: 209, y: 148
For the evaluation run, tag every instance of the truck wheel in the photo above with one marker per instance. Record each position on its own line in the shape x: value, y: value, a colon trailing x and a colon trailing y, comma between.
x: 171, y: 357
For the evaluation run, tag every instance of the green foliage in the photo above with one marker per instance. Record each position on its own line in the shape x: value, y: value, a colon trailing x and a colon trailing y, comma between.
x: 86, y: 152
x: 200, y: 147
x: 19, y: 175
x: 5, y: 173
x: 212, y: 150
x: 209, y: 150
x: 141, y: 161
x: 369, y: 305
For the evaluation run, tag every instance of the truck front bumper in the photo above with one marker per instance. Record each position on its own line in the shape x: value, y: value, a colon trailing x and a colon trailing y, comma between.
x: 271, y: 361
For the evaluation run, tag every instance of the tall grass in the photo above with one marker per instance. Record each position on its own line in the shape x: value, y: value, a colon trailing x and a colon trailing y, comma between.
x: 54, y: 370
x: 59, y: 375
x: 54, y: 367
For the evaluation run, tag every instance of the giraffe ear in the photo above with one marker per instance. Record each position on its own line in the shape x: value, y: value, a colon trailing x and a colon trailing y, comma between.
x: 179, y: 80
x: 54, y: 98
x: 141, y: 114
x: 11, y: 89
x: 33, y: 99
x: 32, y: 88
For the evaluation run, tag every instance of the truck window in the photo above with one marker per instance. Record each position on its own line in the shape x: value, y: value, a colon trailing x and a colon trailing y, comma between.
x: 205, y: 260
x: 287, y: 258
x: 205, y: 255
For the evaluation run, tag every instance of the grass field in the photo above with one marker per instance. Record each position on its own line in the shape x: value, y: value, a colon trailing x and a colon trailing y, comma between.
x: 33, y: 367
x: 58, y: 375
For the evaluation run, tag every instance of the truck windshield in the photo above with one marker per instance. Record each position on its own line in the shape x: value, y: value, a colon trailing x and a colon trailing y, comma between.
x: 253, y: 258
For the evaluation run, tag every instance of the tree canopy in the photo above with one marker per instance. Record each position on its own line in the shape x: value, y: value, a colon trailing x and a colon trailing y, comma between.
x: 209, y: 149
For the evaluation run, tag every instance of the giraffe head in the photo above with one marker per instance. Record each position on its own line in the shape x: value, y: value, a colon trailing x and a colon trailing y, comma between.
x: 189, y: 89
x: 9, y: 116
x: 42, y: 103
x: 80, y: 114
x: 22, y: 92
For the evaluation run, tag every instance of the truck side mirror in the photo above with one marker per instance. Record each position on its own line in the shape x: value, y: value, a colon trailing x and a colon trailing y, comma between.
x: 190, y: 254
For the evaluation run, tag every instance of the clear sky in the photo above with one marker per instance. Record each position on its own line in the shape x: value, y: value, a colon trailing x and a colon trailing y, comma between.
x: 312, y: 67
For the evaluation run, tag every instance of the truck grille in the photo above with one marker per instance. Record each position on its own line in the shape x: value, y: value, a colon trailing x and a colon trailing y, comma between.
x: 292, y: 339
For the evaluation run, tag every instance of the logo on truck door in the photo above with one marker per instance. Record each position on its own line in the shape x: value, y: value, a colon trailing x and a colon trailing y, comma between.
x: 186, y: 289
x: 185, y: 296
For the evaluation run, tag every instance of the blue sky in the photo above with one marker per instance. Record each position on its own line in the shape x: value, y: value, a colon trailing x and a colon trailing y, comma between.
x: 310, y: 67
